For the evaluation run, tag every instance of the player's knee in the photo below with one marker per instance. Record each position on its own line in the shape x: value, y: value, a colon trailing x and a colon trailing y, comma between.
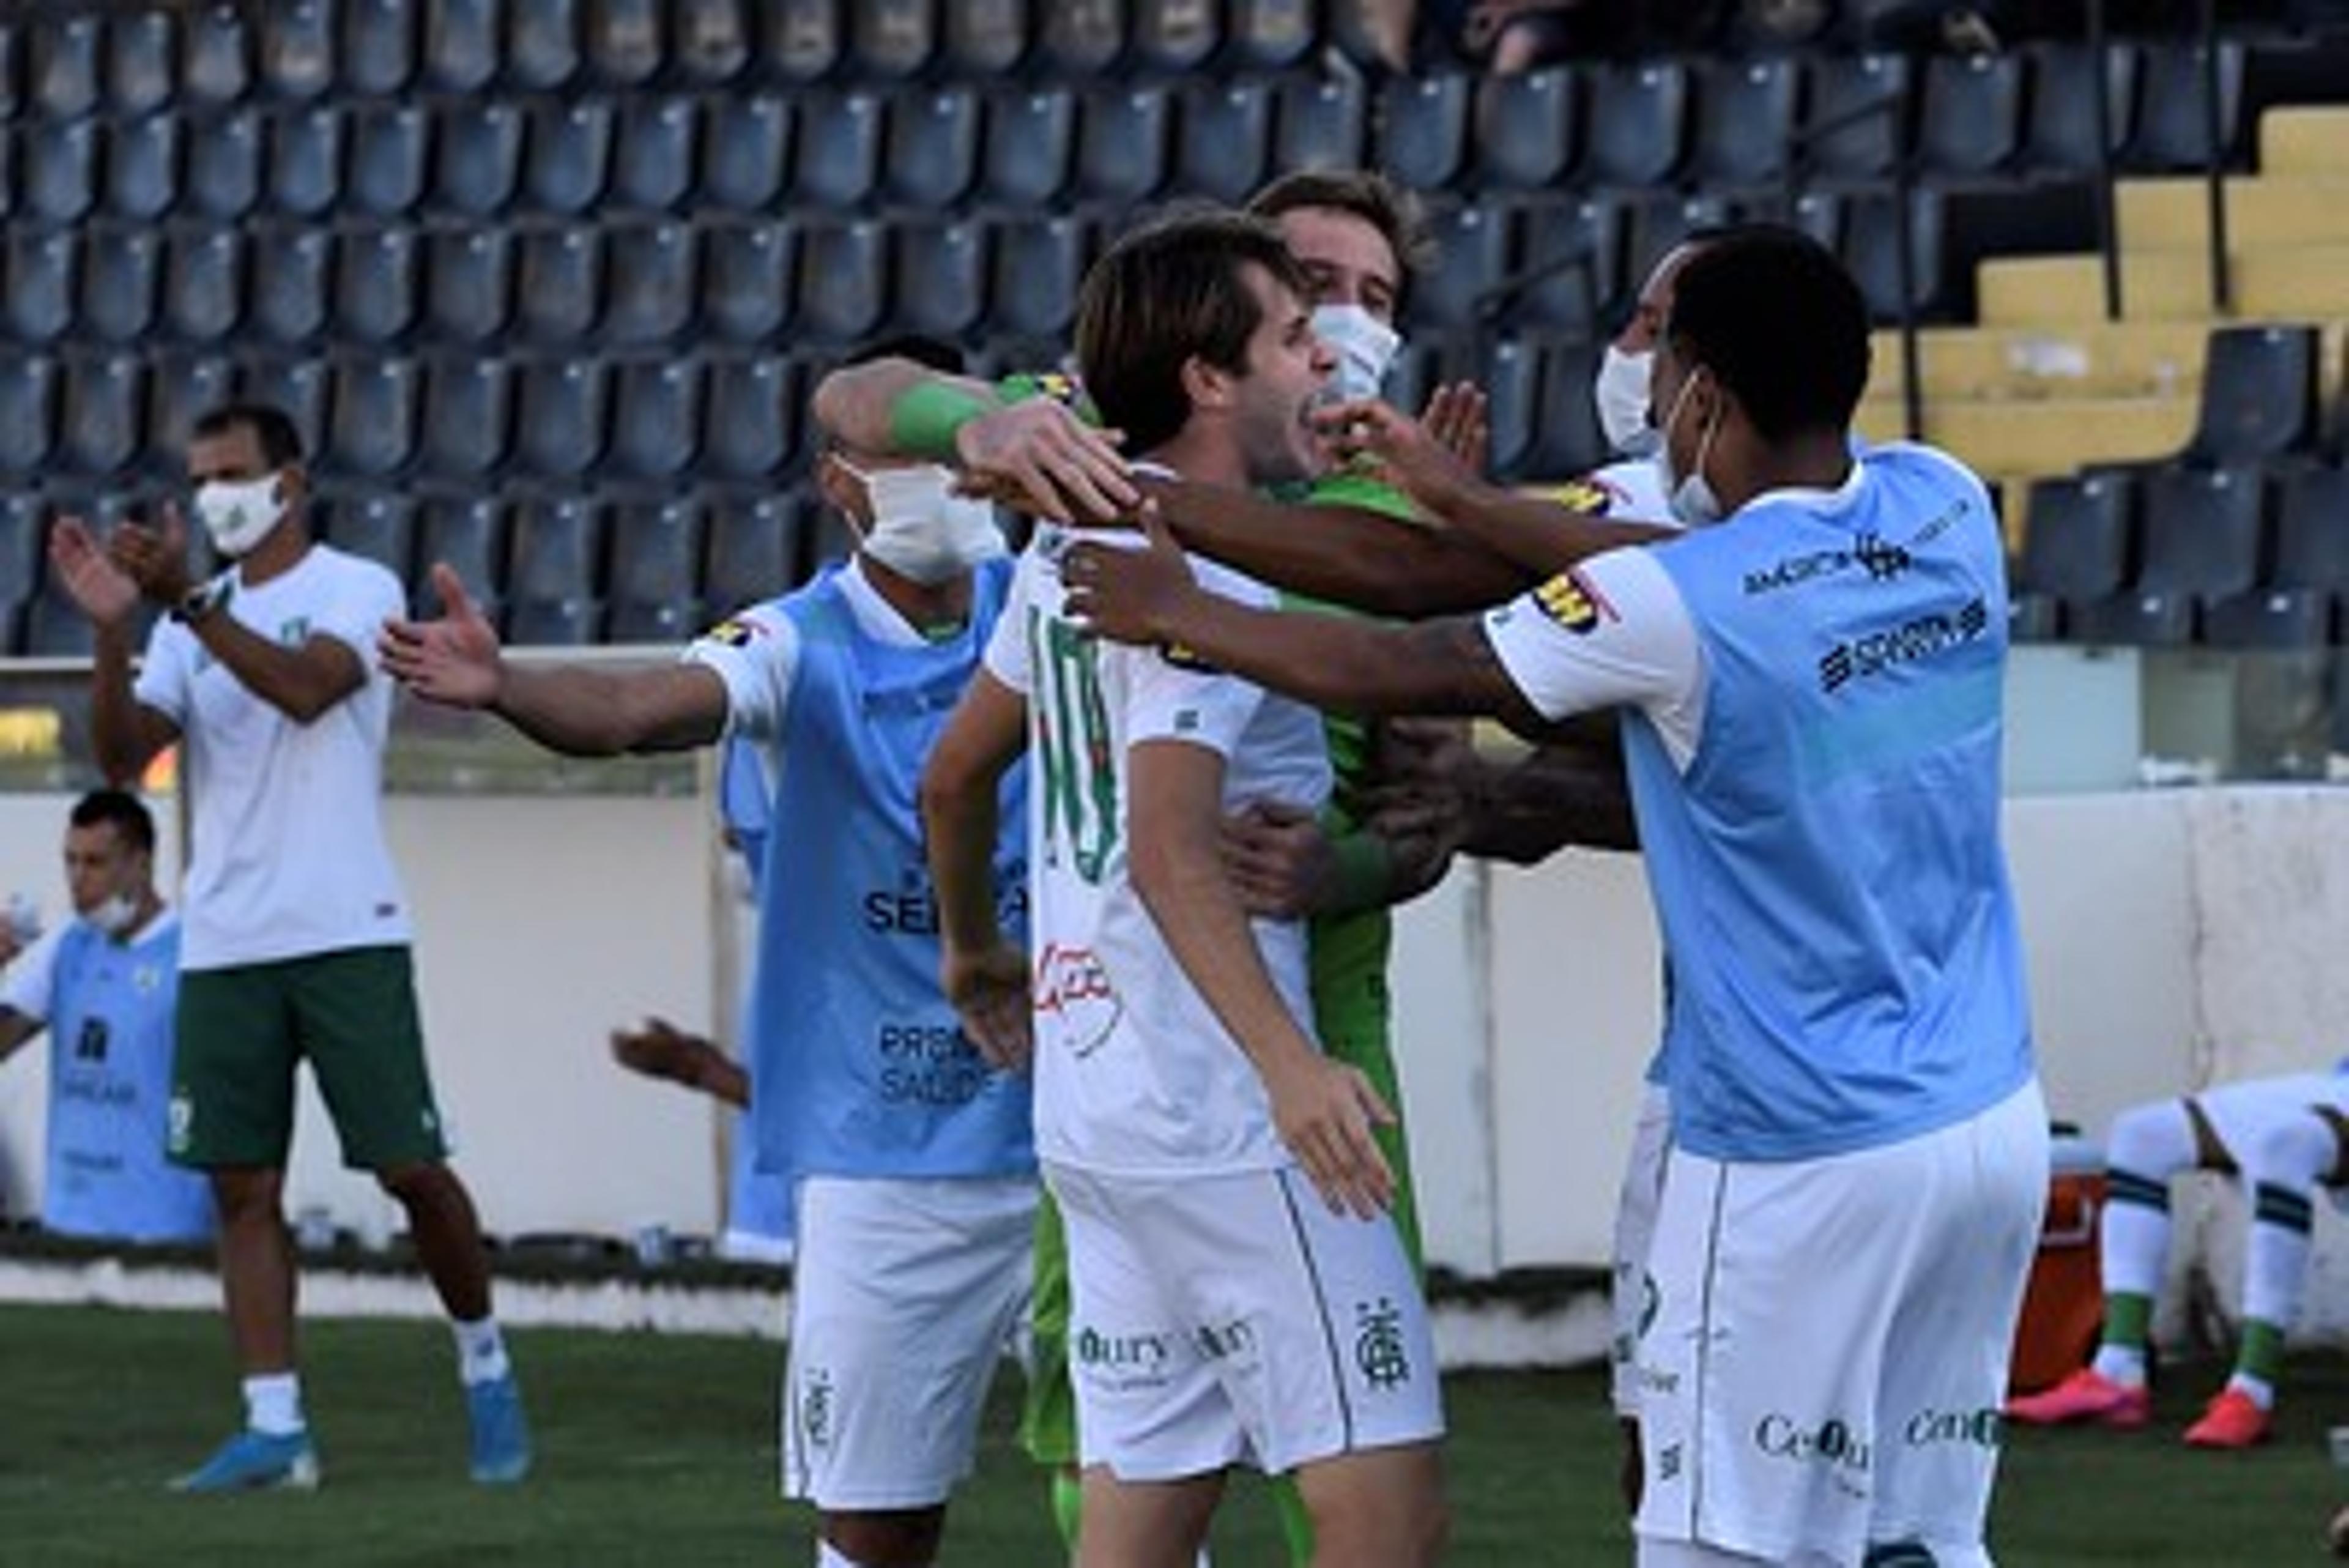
x: 2151, y: 1140
x: 246, y: 1196
x: 2293, y: 1154
x: 1398, y: 1518
x: 900, y: 1538
x: 414, y: 1183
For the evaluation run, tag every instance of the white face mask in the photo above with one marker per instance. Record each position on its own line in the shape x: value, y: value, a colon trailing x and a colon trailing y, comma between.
x: 1621, y: 394
x: 1690, y: 495
x: 1365, y: 347
x: 921, y: 529
x: 115, y: 915
x: 239, y: 513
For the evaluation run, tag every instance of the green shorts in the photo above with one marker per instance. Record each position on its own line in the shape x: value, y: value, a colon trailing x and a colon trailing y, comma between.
x: 351, y: 1013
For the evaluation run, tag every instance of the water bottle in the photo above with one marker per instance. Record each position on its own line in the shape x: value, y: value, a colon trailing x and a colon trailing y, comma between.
x: 23, y: 917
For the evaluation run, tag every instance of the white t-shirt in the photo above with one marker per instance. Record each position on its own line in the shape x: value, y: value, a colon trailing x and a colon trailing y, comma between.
x: 287, y: 856
x: 1135, y: 1076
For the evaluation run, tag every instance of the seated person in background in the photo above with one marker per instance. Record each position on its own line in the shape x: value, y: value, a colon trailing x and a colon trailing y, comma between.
x: 2282, y: 1138
x: 105, y: 985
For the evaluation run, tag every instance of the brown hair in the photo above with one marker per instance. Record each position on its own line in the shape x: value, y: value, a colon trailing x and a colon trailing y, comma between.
x: 1365, y: 193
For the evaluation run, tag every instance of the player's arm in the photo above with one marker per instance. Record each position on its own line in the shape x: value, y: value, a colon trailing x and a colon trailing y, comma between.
x: 984, y: 975
x: 659, y: 1049
x: 125, y: 732
x: 576, y: 710
x: 1558, y: 794
x: 1323, y: 1108
x: 900, y: 406
x: 15, y: 1030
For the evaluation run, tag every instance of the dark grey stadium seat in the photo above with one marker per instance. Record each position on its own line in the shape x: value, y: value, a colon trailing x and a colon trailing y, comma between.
x: 1523, y: 128
x: 299, y: 386
x: 984, y: 39
x: 39, y: 283
x: 932, y: 149
x: 379, y: 283
x: 1570, y: 264
x: 1080, y: 38
x: 468, y: 284
x: 1424, y: 128
x: 1030, y: 146
x: 1319, y: 124
x: 1037, y: 262
x: 1171, y: 38
x: 892, y: 37
x: 748, y: 279
x: 567, y: 154
x: 2259, y: 396
x: 2079, y: 546
x: 223, y: 176
x: 101, y: 413
x: 652, y: 158
x: 1509, y: 370
x: 649, y: 271
x: 1566, y: 442
x: 752, y: 403
x: 555, y: 623
x: 652, y: 584
x: 389, y: 160
x: 2172, y: 132
x: 180, y: 389
x: 745, y: 139
x: 838, y: 161
x: 1471, y: 255
x: 461, y: 44
x: 1639, y: 123
x: 297, y: 48
x: 1745, y: 115
x: 289, y: 271
x: 121, y: 274
x: 655, y: 418
x: 141, y: 50
x: 306, y: 159
x: 941, y: 283
x: 559, y: 285
x: 468, y: 416
x: 1969, y: 113
x: 554, y: 550
x: 468, y: 535
x: 2205, y: 531
x: 204, y: 284
x: 23, y: 540
x: 560, y: 417
x: 709, y: 40
x: 1271, y: 34
x: 476, y: 155
x: 29, y: 414
x: 58, y: 170
x: 1861, y: 144
x: 802, y: 39
x: 1871, y: 249
x: 142, y: 166
x: 2269, y: 619
x: 2313, y: 530
x: 541, y: 43
x: 2132, y: 618
x: 2061, y: 134
x: 625, y: 48
x: 377, y: 46
x: 373, y: 526
x: 1225, y: 146
x: 753, y: 550
x: 62, y: 63
x: 216, y: 55
x: 843, y: 280
x: 1122, y: 138
x: 371, y: 425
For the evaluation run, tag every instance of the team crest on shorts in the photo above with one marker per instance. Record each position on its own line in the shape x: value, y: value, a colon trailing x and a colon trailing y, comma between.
x: 1379, y: 1350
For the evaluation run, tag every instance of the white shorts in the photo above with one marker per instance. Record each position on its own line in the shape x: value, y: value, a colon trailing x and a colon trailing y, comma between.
x: 907, y: 1296
x: 1233, y: 1319
x: 1828, y: 1363
x: 1632, y: 1294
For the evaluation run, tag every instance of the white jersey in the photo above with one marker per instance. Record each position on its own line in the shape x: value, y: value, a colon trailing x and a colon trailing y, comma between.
x: 288, y: 857
x: 1134, y: 1075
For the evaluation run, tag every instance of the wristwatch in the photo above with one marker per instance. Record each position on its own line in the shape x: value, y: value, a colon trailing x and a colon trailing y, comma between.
x: 203, y: 600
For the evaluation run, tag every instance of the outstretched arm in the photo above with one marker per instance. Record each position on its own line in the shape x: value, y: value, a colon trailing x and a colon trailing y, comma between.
x: 659, y: 1049
x: 581, y: 711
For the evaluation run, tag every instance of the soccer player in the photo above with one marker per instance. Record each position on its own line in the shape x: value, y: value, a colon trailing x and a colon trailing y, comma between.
x: 1811, y: 678
x: 2283, y: 1138
x: 911, y: 1158
x: 295, y: 942
x: 1240, y: 1291
x: 104, y: 985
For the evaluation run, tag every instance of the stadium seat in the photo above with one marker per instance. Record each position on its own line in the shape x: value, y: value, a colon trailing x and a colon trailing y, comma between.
x: 388, y: 160
x: 567, y: 153
x: 2172, y: 132
x: 802, y: 41
x: 61, y: 77
x: 468, y: 416
x: 24, y: 539
x: 655, y: 418
x: 1028, y: 146
x: 306, y: 160
x: 476, y: 155
x: 2312, y: 531
x: 560, y: 417
x: 101, y: 413
x: 142, y: 166
x: 2079, y: 546
x: 1509, y: 371
x: 373, y: 526
x: 653, y: 582
x: 1080, y: 38
x: 1572, y: 279
x: 709, y: 40
x: 54, y: 626
x: 462, y: 45
x: 2269, y: 619
x: 892, y: 37
x: 2204, y: 531
x: 29, y: 414
x: 1745, y: 118
x: 2061, y: 133
x: 1037, y: 262
x: 652, y: 156
x: 288, y: 269
x: 541, y: 43
x: 223, y: 178
x: 843, y: 280
x: 648, y: 281
x: 1523, y: 128
x: 180, y: 389
x: 748, y: 279
x: 559, y: 285
x: 1123, y: 137
x: 744, y: 138
x: 467, y: 534
x: 216, y: 55
x: 624, y: 46
x: 57, y: 165
x: 933, y: 147
x: 753, y: 550
x: 752, y: 403
x: 1969, y: 114
x: 1173, y: 38
x: 1319, y: 124
x: 141, y: 76
x: 1568, y: 441
x: 1271, y: 34
x: 371, y: 428
x: 376, y: 49
x: 984, y: 39
x: 468, y: 284
x: 299, y: 386
x: 839, y: 156
x: 1857, y: 125
x: 121, y: 270
x: 941, y: 283
x: 2259, y: 396
x: 39, y: 284
x: 1423, y: 128
x: 2149, y: 619
x: 297, y: 48
x: 554, y: 550
x: 204, y: 284
x: 553, y: 623
x: 379, y: 283
x: 1225, y: 138
x: 1639, y: 124
x: 1472, y: 257
x: 1871, y: 249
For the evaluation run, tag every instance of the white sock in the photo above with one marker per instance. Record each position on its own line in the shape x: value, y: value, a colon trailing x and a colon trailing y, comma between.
x: 480, y: 1352
x: 2123, y: 1363
x: 827, y: 1555
x: 2260, y: 1391
x: 273, y: 1404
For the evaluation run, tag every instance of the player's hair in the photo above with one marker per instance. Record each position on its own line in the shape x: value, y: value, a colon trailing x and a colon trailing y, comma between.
x: 1163, y: 296
x: 1365, y: 193
x: 1773, y: 315
x: 133, y: 825
x: 273, y: 430
x: 930, y: 353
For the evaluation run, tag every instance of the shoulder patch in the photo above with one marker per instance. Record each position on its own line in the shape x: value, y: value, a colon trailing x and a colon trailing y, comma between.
x: 1573, y: 602
x: 1588, y: 496
x: 1182, y: 657
x: 734, y: 633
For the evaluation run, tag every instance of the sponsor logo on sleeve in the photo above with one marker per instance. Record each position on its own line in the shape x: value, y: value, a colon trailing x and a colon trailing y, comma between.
x: 1573, y: 602
x: 735, y: 633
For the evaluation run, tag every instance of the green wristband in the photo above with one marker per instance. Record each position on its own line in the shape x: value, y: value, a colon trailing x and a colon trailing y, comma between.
x: 1361, y: 870
x: 924, y: 420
